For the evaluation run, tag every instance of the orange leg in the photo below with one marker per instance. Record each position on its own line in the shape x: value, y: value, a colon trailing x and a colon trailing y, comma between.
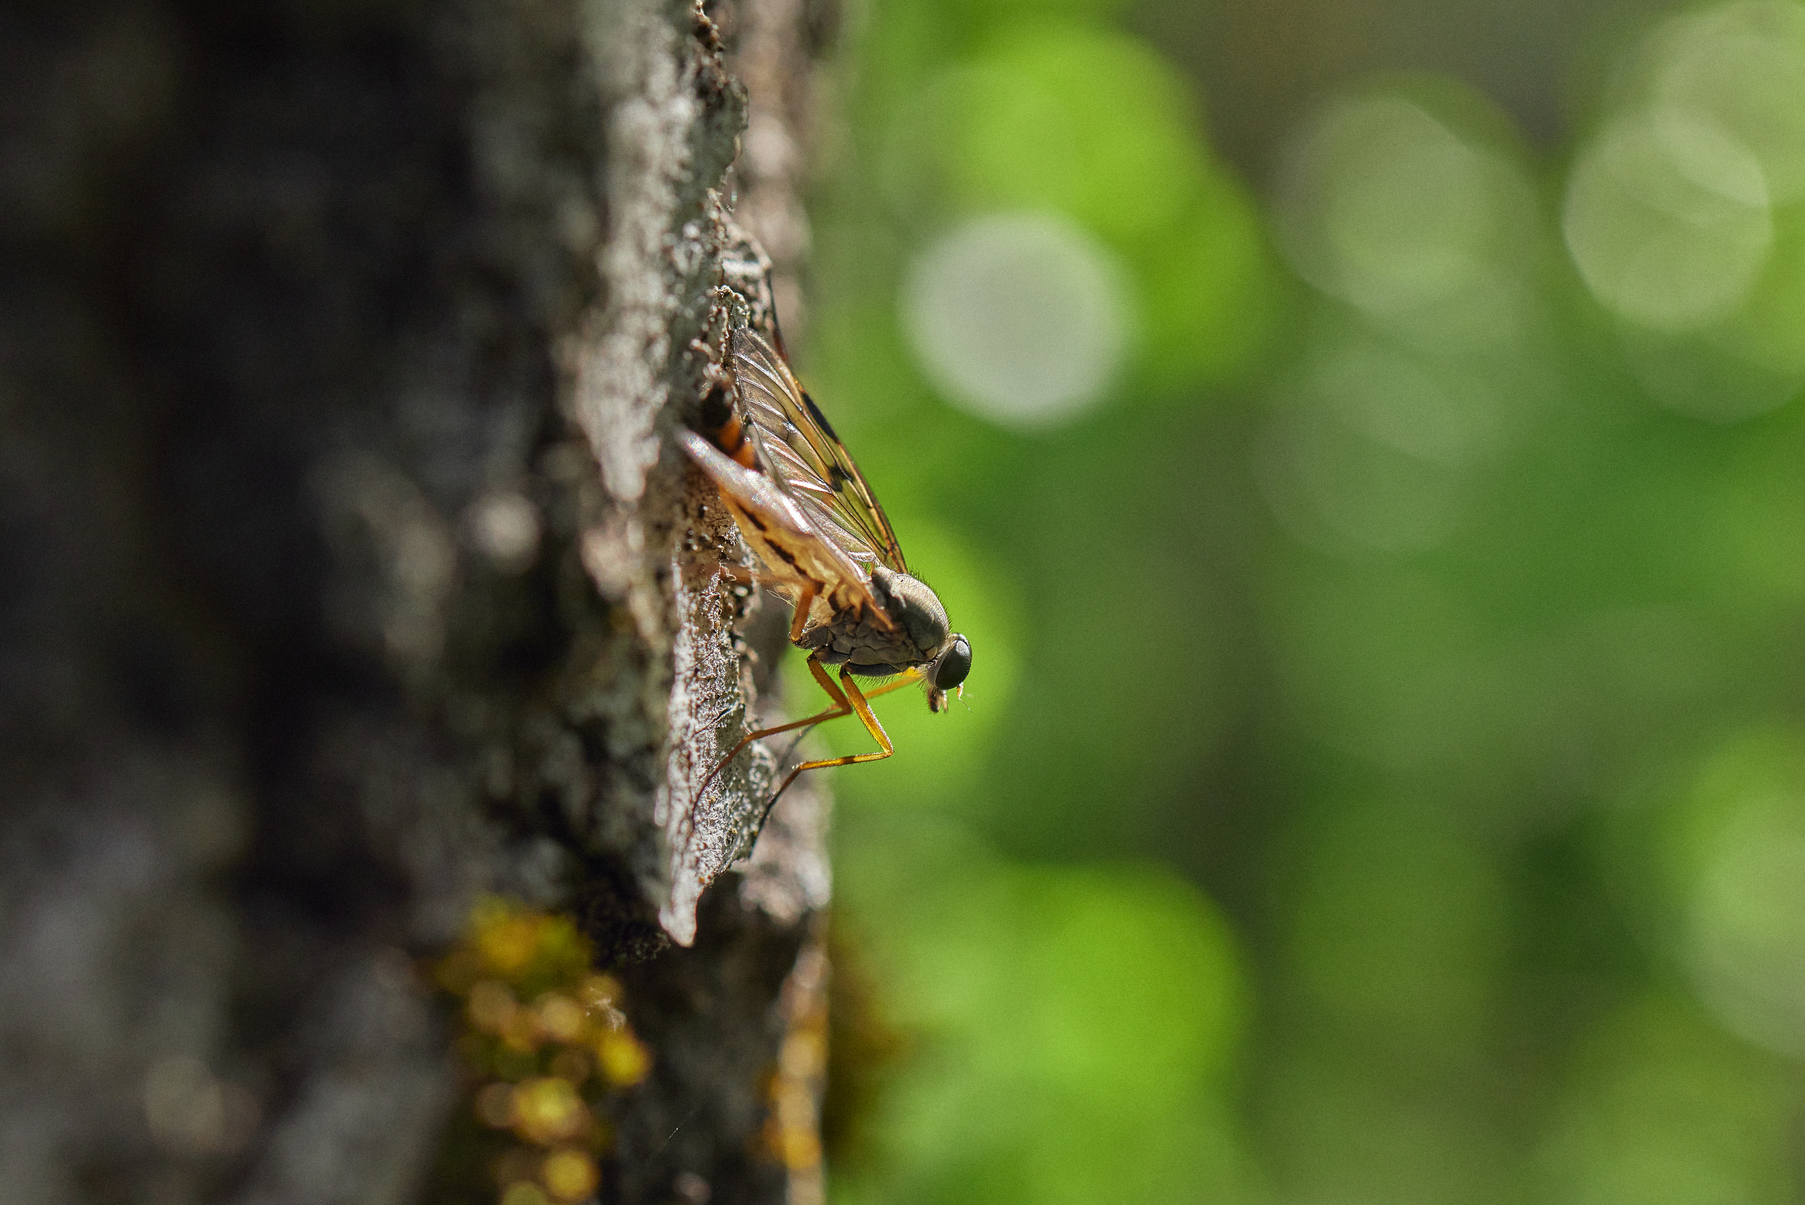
x: 846, y: 702
x: 859, y: 702
x: 804, y: 601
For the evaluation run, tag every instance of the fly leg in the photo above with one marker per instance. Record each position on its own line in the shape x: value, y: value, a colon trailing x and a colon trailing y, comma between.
x: 843, y: 704
x: 841, y: 707
x: 859, y: 702
x: 804, y: 601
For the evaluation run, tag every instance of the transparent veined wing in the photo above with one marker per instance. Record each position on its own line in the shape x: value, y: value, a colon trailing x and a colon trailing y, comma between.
x: 797, y: 446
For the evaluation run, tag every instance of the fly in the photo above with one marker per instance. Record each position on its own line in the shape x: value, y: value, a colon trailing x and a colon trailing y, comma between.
x: 826, y: 547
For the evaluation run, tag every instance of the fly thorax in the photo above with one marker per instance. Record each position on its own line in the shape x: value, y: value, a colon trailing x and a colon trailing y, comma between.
x: 915, y: 610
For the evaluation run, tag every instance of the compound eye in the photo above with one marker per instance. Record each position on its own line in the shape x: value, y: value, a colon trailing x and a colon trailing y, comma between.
x: 953, y: 665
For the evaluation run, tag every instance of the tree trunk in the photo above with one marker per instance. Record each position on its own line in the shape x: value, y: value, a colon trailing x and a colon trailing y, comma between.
x: 347, y: 574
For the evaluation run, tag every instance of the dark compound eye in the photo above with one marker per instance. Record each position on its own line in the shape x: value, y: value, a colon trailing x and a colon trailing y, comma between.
x: 953, y: 665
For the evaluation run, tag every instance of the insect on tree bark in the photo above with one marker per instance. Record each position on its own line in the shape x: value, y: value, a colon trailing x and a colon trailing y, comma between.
x: 343, y: 580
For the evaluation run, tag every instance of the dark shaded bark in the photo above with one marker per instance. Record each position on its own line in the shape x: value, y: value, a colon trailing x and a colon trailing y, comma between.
x: 346, y: 574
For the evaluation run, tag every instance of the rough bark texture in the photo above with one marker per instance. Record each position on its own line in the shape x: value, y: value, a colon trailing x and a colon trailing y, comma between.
x: 346, y: 573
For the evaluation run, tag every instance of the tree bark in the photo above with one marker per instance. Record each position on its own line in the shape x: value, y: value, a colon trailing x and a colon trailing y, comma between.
x: 347, y: 573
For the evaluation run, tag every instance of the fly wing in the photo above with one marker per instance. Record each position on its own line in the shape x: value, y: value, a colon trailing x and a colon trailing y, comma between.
x: 799, y: 449
x: 797, y: 559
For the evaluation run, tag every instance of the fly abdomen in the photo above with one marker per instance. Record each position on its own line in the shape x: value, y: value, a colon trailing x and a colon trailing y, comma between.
x: 720, y: 424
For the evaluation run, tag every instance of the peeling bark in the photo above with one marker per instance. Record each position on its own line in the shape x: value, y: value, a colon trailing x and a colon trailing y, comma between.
x: 346, y: 573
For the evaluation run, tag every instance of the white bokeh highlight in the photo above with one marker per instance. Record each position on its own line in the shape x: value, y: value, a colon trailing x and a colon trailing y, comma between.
x: 1019, y: 318
x: 1681, y: 211
x: 1383, y: 206
x: 1741, y: 66
x: 1668, y: 219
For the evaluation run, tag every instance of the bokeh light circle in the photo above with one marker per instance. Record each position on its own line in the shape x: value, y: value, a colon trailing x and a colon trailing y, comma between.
x: 1739, y: 853
x: 1020, y: 318
x: 1742, y: 65
x: 1746, y: 941
x: 1668, y: 219
x: 1682, y: 216
x: 1381, y: 204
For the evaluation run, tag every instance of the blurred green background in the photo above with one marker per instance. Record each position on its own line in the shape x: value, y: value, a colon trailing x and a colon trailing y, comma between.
x: 1361, y: 441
